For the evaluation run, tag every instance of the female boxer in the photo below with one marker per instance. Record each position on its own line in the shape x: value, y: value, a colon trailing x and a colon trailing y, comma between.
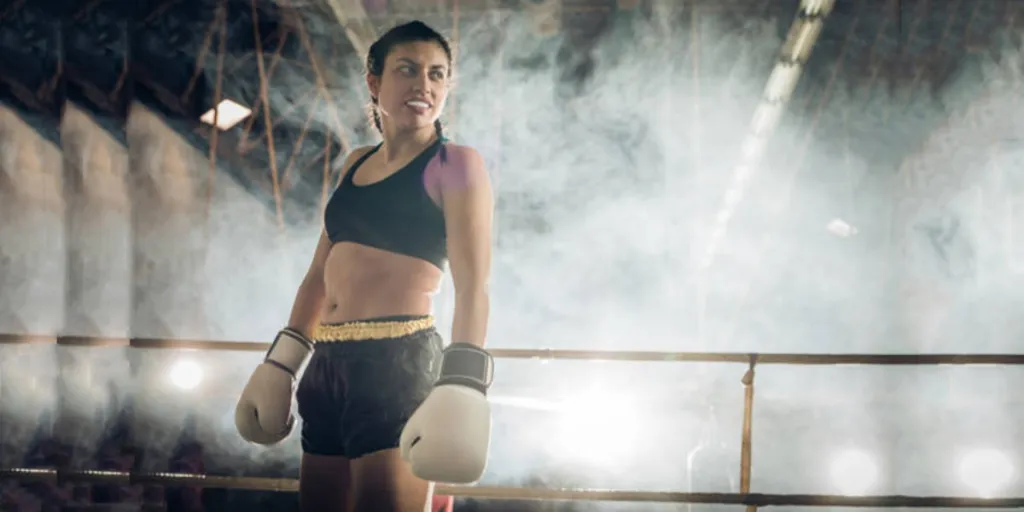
x: 386, y: 408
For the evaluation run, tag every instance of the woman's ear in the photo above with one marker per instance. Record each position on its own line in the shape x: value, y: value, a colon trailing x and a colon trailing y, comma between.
x: 373, y: 84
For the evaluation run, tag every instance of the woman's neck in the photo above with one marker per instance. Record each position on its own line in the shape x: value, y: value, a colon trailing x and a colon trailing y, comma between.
x: 402, y: 146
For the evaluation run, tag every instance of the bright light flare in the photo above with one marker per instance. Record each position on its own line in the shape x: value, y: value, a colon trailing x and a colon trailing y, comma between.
x: 840, y: 228
x: 986, y: 471
x: 186, y: 375
x: 597, y: 428
x: 228, y: 114
x: 854, y: 472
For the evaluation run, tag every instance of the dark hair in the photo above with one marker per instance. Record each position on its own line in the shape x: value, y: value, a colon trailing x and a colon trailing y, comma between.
x: 411, y: 32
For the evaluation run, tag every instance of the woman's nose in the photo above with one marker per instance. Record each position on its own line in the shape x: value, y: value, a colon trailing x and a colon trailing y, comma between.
x: 422, y: 82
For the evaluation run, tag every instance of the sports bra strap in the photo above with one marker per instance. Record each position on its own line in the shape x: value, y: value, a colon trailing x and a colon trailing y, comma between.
x: 352, y: 170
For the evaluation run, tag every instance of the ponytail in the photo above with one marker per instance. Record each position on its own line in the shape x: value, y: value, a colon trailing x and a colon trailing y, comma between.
x: 441, y: 139
x: 375, y: 114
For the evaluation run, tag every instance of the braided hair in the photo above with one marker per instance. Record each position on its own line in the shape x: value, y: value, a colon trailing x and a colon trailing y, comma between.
x: 414, y: 31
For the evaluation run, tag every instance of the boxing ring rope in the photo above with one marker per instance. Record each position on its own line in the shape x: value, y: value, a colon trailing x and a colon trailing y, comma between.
x: 290, y: 485
x: 751, y: 500
x: 566, y: 354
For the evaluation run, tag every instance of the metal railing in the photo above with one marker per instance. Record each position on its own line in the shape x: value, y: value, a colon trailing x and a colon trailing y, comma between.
x: 750, y: 360
x: 291, y: 485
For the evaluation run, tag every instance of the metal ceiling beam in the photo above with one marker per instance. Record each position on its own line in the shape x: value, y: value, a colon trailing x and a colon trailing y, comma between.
x: 803, y: 34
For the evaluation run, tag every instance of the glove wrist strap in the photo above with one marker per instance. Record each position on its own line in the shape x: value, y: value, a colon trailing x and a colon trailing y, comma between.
x: 467, y: 365
x: 290, y: 352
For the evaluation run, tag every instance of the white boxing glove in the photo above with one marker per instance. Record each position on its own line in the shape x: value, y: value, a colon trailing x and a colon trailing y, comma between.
x: 264, y: 411
x: 447, y: 438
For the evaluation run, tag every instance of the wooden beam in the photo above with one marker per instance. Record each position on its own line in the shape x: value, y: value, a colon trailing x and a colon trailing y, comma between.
x: 352, y: 17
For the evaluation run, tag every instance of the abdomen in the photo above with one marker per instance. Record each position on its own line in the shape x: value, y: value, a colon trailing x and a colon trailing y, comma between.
x: 363, y: 282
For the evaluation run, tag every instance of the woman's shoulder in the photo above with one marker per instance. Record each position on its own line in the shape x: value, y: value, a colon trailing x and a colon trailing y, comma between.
x: 349, y: 162
x: 464, y: 165
x: 354, y: 156
x: 462, y: 155
x: 358, y: 153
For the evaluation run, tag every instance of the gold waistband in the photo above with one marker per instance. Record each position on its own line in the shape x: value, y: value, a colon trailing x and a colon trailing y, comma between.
x: 369, y: 330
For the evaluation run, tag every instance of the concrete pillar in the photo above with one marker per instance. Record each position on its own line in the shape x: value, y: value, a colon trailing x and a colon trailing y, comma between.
x: 31, y: 241
x: 98, y: 229
x: 545, y: 16
x: 168, y: 180
x: 31, y: 281
x: 94, y: 381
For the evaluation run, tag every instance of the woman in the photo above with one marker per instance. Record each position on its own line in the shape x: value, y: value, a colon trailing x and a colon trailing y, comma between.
x: 405, y: 208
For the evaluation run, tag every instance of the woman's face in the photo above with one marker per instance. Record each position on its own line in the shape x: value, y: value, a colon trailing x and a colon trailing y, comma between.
x: 412, y: 90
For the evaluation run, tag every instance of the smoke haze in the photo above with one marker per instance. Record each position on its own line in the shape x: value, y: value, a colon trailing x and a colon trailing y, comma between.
x: 606, y: 187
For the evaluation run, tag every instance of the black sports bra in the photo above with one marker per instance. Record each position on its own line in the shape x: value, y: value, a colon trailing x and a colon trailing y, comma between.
x: 395, y: 214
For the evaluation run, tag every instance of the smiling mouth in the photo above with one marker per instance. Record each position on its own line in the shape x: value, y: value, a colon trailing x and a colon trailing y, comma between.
x: 418, y: 105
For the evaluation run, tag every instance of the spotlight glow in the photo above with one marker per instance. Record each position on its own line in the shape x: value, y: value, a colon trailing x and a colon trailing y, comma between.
x: 840, y: 228
x: 228, y: 114
x: 186, y: 374
x: 986, y: 471
x: 587, y: 423
x: 854, y: 472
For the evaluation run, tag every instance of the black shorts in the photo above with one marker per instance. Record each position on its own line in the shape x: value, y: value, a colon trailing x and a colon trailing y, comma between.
x: 364, y: 381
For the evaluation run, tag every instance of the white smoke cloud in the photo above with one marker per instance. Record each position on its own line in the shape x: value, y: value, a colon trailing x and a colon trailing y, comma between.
x: 605, y: 193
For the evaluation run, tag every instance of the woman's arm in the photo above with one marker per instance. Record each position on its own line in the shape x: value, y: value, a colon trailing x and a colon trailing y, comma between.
x: 468, y: 205
x: 309, y: 300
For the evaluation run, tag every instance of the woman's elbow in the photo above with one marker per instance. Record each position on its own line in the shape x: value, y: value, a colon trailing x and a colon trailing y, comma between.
x: 472, y: 288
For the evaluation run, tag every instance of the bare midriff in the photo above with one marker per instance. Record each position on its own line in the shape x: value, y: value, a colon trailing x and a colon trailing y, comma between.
x: 363, y: 283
